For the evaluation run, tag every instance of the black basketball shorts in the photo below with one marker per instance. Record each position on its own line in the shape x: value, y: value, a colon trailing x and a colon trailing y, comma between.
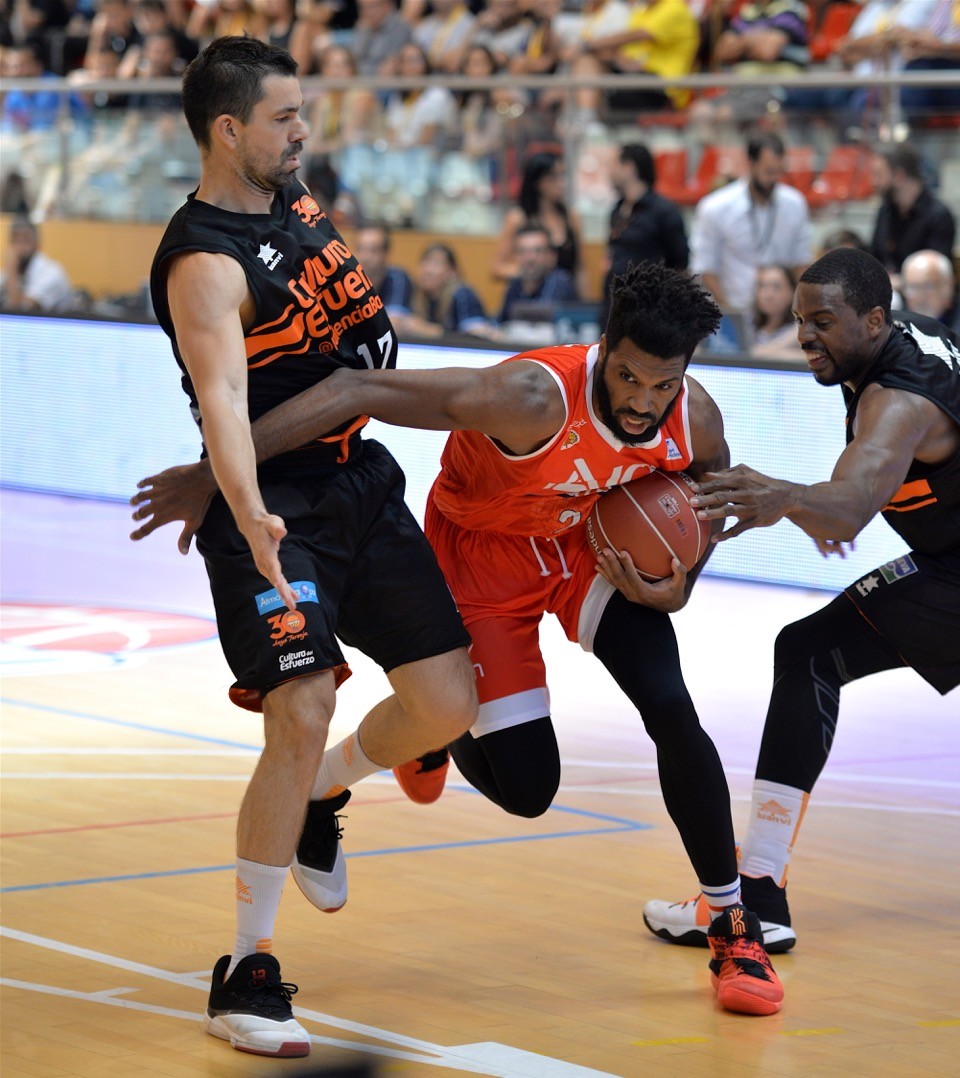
x: 359, y: 564
x: 913, y: 602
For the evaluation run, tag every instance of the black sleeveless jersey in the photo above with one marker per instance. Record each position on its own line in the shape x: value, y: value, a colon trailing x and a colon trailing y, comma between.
x: 316, y: 309
x: 921, y: 356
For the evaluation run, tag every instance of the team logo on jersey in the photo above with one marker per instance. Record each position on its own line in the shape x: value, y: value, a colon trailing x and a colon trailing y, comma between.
x: 287, y: 627
x: 898, y: 569
x: 308, y: 210
x: 673, y: 451
x: 571, y: 438
x: 868, y: 584
x: 269, y: 256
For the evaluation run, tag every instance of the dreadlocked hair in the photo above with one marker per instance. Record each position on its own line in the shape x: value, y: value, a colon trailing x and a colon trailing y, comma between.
x: 664, y: 311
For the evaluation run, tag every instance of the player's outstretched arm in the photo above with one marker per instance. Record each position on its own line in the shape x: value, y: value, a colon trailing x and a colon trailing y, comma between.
x: 892, y: 429
x: 517, y: 403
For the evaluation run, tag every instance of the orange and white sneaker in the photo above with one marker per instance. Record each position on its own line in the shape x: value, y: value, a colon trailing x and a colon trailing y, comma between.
x: 686, y: 923
x: 423, y: 779
x: 740, y: 968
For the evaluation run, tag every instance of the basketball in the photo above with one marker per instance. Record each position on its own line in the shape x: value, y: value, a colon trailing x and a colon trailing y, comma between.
x: 652, y: 519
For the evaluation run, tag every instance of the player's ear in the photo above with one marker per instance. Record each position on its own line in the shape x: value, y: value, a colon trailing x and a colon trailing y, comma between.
x: 224, y: 129
x: 876, y: 320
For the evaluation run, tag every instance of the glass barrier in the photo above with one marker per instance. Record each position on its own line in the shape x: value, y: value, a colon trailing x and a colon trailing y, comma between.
x: 100, y: 158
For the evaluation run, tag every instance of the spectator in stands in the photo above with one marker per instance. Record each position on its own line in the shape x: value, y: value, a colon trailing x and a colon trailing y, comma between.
x: 113, y: 28
x: 97, y: 66
x: 313, y: 33
x: 644, y: 226
x: 766, y: 38
x: 930, y: 287
x: 752, y: 222
x: 933, y: 47
x: 222, y: 18
x: 31, y: 281
x: 371, y: 245
x: 154, y: 17
x: 442, y: 302
x: 910, y: 218
x: 41, y: 21
x: 872, y: 48
x: 378, y: 36
x: 339, y: 118
x: 158, y: 58
x: 422, y: 116
x: 279, y: 18
x: 660, y: 38
x: 31, y: 111
x: 841, y: 237
x: 542, y: 201
x: 774, y: 328
x: 504, y: 27
x: 481, y: 112
x: 445, y: 34
x: 538, y: 281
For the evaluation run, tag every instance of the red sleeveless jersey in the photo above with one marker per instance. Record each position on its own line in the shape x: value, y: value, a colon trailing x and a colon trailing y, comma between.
x: 544, y: 493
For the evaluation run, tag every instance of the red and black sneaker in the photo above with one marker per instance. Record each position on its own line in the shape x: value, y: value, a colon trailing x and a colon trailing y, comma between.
x: 423, y: 779
x: 740, y: 968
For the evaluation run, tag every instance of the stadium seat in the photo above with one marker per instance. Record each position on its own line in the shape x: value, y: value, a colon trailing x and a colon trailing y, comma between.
x: 845, y: 176
x: 833, y: 22
x: 801, y: 167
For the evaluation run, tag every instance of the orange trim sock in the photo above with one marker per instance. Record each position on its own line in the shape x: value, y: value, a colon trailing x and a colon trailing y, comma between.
x: 341, y: 767
x: 259, y: 888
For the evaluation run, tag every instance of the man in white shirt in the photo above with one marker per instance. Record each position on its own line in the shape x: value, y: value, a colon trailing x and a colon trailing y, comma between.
x: 32, y: 281
x: 755, y: 221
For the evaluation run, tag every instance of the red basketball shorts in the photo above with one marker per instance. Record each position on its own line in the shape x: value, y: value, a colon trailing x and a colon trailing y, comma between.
x: 503, y: 585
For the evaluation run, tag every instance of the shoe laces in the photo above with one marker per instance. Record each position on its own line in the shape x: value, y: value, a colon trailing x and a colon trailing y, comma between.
x: 750, y: 958
x: 268, y: 998
x: 687, y: 902
x: 318, y: 844
x: 431, y: 761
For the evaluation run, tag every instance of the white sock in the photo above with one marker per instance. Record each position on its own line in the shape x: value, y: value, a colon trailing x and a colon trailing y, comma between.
x: 259, y: 888
x: 341, y: 767
x: 719, y: 898
x: 776, y: 812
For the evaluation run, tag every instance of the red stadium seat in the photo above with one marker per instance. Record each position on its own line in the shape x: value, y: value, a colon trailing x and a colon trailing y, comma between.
x: 801, y: 167
x: 671, y: 168
x: 835, y: 20
x: 845, y: 176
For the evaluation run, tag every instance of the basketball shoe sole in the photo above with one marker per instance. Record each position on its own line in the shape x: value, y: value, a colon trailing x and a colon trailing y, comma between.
x: 686, y: 924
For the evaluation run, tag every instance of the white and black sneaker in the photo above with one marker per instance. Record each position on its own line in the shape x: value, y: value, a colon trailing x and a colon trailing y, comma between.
x: 687, y: 923
x: 319, y: 867
x: 251, y: 1008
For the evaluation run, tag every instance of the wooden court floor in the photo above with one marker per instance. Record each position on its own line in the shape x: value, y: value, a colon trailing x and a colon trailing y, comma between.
x: 472, y: 942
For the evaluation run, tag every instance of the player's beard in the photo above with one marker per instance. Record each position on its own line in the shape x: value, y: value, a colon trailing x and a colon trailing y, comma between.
x: 273, y: 178
x: 609, y: 417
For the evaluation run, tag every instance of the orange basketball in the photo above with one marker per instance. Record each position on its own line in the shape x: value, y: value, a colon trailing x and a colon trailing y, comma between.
x: 652, y: 519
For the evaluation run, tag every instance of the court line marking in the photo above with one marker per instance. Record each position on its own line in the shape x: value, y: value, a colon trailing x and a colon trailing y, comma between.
x: 490, y: 1058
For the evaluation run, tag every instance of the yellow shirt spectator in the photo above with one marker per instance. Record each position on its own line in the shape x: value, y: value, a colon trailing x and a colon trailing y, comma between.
x: 672, y: 44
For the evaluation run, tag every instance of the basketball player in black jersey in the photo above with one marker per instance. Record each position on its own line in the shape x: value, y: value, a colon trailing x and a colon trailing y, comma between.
x: 901, y: 383
x: 261, y: 298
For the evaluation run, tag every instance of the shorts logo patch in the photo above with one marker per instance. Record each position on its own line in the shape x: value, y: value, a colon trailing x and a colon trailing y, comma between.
x: 305, y: 591
x: 287, y: 627
x: 868, y: 584
x: 296, y: 660
x: 898, y: 569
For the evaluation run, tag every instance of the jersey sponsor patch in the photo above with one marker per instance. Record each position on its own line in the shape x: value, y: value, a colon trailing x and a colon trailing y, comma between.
x: 673, y: 452
x: 898, y: 568
x: 304, y: 590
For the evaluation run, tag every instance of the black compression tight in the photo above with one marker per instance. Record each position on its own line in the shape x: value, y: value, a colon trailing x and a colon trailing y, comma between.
x: 812, y: 659
x: 639, y: 648
x: 519, y: 768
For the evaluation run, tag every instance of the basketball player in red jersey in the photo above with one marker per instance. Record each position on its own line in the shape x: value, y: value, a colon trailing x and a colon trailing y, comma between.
x: 261, y: 298
x: 536, y: 440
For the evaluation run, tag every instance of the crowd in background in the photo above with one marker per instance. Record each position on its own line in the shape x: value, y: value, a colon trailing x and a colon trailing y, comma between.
x: 748, y: 240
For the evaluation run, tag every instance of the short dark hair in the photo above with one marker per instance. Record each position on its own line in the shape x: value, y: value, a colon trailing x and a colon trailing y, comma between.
x: 535, y: 168
x: 642, y: 160
x: 378, y: 226
x: 862, y: 280
x: 531, y: 229
x: 442, y: 249
x: 227, y: 78
x: 764, y: 140
x: 664, y: 311
x: 904, y: 157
